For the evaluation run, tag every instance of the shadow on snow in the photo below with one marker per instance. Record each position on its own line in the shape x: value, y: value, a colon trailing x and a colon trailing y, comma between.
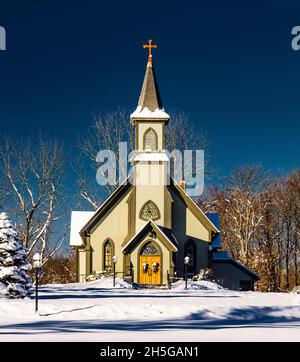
x: 249, y: 317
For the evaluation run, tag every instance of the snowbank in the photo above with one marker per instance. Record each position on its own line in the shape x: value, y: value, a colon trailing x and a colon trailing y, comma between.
x: 104, y: 283
x: 107, y: 283
x: 201, y: 285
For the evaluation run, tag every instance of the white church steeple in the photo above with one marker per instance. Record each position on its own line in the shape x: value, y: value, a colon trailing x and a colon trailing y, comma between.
x: 149, y: 118
x: 150, y: 160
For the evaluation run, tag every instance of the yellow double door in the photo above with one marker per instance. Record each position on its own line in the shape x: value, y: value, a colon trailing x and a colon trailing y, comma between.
x: 150, y: 269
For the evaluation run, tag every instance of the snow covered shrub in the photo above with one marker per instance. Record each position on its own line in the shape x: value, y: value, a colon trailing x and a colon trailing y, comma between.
x: 100, y: 275
x: 14, y: 282
x: 296, y: 290
x: 204, y: 274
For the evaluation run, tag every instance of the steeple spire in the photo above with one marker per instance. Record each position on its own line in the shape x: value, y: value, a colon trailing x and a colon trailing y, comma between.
x: 150, y: 104
x: 150, y: 96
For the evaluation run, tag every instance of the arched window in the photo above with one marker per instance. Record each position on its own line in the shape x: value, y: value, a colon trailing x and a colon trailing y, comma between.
x: 150, y: 140
x: 149, y: 249
x: 149, y: 211
x: 107, y: 255
x: 190, y: 250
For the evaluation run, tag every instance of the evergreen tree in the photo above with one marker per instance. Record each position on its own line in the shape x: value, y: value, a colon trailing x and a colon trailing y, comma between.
x: 14, y: 282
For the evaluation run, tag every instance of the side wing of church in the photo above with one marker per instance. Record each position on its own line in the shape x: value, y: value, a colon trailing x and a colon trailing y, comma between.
x: 150, y: 224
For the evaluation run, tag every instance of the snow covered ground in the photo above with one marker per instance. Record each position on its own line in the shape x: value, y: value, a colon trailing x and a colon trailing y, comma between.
x: 97, y: 312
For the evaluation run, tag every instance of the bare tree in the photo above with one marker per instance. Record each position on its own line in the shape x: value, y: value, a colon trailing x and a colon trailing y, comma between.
x: 288, y: 203
x: 3, y: 192
x: 268, y: 252
x: 242, y: 208
x: 260, y: 223
x: 33, y: 173
x: 293, y: 184
x: 180, y: 135
x: 108, y: 129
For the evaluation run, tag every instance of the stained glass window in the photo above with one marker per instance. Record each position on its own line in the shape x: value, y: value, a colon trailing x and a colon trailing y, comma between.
x: 107, y: 255
x: 150, y: 211
x: 149, y: 249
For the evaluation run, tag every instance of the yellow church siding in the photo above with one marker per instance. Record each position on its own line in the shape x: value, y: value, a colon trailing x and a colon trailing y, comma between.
x: 167, y: 208
x: 154, y: 174
x: 185, y: 227
x: 150, y: 185
x: 113, y: 226
x: 144, y: 194
x: 185, y: 222
x: 195, y: 229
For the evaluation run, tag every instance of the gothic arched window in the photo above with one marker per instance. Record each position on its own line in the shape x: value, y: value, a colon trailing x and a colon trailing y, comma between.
x: 150, y: 140
x: 190, y: 250
x: 149, y: 211
x: 149, y: 249
x: 107, y: 254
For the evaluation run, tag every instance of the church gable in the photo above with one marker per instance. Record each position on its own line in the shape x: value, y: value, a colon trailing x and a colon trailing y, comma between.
x: 104, y: 210
x: 193, y: 212
x: 154, y: 232
x: 108, y: 233
x: 115, y: 220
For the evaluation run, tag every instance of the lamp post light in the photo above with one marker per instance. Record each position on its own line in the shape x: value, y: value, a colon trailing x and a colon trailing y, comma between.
x: 186, y: 261
x: 37, y: 265
x: 114, y: 260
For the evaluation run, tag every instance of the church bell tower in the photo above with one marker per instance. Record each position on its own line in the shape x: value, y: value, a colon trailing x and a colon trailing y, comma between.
x: 150, y: 160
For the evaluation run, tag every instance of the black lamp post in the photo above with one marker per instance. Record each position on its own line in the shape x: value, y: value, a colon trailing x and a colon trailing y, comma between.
x: 37, y: 264
x: 114, y: 260
x: 186, y: 261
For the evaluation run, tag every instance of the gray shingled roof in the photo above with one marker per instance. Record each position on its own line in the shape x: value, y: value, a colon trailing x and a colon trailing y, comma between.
x: 150, y: 96
x: 215, y: 219
x: 224, y: 256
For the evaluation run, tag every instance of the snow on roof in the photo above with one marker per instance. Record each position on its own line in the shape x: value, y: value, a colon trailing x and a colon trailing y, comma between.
x: 150, y: 156
x: 78, y: 220
x: 146, y: 113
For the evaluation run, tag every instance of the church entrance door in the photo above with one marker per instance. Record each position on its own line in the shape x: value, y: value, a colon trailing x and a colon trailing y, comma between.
x: 150, y: 270
x: 150, y: 265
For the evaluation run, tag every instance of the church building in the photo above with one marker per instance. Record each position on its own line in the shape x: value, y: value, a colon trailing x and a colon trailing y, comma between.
x: 149, y: 225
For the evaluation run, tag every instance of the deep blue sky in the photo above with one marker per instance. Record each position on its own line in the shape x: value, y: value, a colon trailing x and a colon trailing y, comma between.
x: 228, y: 64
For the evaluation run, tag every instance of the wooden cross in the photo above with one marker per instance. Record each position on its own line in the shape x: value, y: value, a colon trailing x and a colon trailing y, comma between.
x: 150, y: 46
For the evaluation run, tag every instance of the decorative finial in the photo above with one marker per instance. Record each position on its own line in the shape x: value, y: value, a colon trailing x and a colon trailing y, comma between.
x: 150, y: 46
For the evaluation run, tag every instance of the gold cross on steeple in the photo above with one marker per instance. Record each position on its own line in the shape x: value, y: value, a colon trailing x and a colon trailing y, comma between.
x: 149, y: 46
